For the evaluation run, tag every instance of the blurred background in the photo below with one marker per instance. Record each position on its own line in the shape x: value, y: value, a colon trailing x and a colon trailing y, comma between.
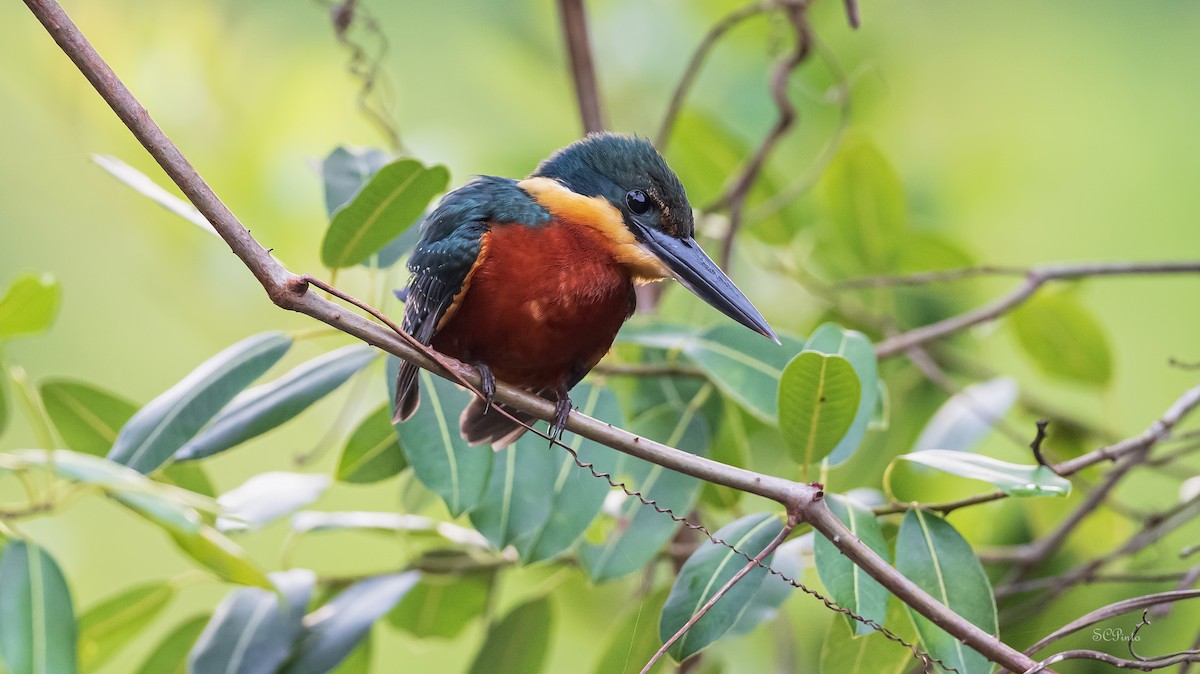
x: 1023, y: 132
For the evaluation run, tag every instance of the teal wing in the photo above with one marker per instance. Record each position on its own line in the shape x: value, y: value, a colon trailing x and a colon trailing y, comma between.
x: 451, y: 239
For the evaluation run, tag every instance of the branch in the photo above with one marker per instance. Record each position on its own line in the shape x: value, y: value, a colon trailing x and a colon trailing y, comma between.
x: 291, y: 292
x: 1111, y: 611
x: 735, y: 197
x: 1147, y: 665
x: 710, y: 40
x: 579, y: 48
x: 1035, y: 278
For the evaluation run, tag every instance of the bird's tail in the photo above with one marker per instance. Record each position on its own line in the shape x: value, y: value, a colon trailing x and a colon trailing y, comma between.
x: 481, y: 426
x: 408, y: 392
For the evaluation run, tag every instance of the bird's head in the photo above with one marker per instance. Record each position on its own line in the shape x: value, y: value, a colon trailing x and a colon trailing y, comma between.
x: 631, y: 195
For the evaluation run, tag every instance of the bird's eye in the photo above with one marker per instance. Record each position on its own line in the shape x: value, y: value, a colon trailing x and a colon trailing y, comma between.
x: 637, y: 201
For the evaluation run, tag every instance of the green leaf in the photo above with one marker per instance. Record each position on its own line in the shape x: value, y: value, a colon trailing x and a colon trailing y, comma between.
x: 373, y: 451
x: 705, y: 572
x: 221, y: 556
x: 169, y: 421
x: 253, y: 629
x: 442, y: 605
x: 87, y: 418
x: 171, y: 654
x: 744, y: 367
x: 163, y: 504
x: 142, y: 184
x: 818, y: 400
x: 537, y: 498
x: 266, y: 407
x: 35, y: 610
x: 774, y: 590
x: 189, y: 476
x: 1011, y: 478
x: 865, y: 198
x: 441, y: 459
x: 336, y: 628
x: 833, y: 340
x: 266, y: 497
x: 935, y: 557
x: 346, y: 170
x: 1063, y: 338
x: 315, y: 522
x: 635, y: 639
x: 968, y: 416
x: 850, y: 586
x: 29, y: 305
x: 871, y: 653
x: 104, y: 629
x: 518, y: 643
x: 639, y: 531
x: 880, y: 417
x: 387, y: 205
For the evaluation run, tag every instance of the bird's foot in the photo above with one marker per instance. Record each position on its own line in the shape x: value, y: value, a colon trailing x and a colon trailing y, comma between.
x: 562, y: 409
x: 487, y: 384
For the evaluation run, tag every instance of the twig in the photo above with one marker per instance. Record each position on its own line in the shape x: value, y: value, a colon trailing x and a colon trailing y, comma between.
x: 1050, y: 581
x: 927, y: 277
x: 714, y: 35
x: 579, y: 49
x: 1036, y: 445
x: 1182, y: 365
x: 734, y: 199
x: 291, y: 292
x: 1111, y: 611
x: 1144, y: 665
x: 648, y: 370
x: 1035, y: 278
x: 724, y: 589
x: 852, y: 13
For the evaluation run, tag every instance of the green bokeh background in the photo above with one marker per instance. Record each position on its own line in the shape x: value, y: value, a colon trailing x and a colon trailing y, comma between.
x: 1026, y: 131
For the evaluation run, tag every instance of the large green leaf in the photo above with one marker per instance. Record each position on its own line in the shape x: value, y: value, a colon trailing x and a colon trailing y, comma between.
x: 518, y: 643
x: 253, y: 629
x: 743, y: 366
x: 345, y: 171
x: 865, y: 199
x: 1063, y: 338
x: 162, y: 504
x: 789, y: 560
x: 935, y: 557
x: 850, y: 586
x: 38, y: 635
x: 635, y: 640
x: 373, y: 451
x: 169, y: 421
x: 869, y: 652
x: 834, y: 340
x: 441, y: 459
x: 638, y: 531
x: 818, y: 400
x: 266, y: 497
x: 171, y: 654
x: 968, y: 416
x: 266, y: 407
x: 443, y: 605
x: 709, y: 568
x: 537, y: 498
x: 105, y: 628
x: 336, y: 628
x: 221, y: 556
x: 387, y: 205
x: 1011, y: 478
x: 87, y: 418
x: 29, y: 305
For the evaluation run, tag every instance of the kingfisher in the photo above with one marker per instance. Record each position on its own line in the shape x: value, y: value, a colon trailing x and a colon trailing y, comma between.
x: 530, y: 280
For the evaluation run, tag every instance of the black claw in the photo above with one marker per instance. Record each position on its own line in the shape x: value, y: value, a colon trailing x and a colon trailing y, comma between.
x: 562, y: 409
x: 487, y: 382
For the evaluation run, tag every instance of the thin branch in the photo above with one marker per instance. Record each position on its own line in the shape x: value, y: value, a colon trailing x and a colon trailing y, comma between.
x: 579, y: 49
x: 648, y: 370
x: 734, y: 198
x: 852, y: 13
x: 1098, y: 578
x: 1183, y: 365
x: 1036, y: 445
x: 291, y: 292
x: 714, y: 35
x: 1035, y: 278
x: 1111, y: 611
x: 1143, y: 665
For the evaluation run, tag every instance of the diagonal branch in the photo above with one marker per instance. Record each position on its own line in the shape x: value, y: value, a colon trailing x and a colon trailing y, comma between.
x: 579, y: 49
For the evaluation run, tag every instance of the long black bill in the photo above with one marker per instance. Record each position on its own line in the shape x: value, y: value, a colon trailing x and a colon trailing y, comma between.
x: 699, y: 274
